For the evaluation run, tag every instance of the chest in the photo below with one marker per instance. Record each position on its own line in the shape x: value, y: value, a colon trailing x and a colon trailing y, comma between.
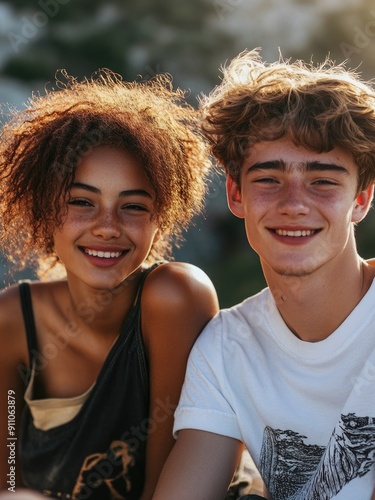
x: 67, y: 361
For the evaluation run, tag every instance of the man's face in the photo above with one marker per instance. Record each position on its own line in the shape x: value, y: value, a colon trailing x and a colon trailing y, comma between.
x: 299, y: 206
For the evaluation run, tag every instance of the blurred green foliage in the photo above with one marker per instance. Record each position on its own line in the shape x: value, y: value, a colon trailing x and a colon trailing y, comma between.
x: 132, y: 38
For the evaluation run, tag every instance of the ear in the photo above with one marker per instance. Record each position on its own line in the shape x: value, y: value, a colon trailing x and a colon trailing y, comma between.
x: 234, y: 198
x: 362, y: 204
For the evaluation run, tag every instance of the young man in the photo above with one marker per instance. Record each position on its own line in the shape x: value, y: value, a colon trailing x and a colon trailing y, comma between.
x: 289, y: 372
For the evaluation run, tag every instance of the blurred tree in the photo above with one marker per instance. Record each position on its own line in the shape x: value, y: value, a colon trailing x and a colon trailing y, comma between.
x: 132, y: 38
x: 349, y: 36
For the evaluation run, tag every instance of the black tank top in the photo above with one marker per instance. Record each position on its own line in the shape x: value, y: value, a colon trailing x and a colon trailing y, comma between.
x: 100, y: 453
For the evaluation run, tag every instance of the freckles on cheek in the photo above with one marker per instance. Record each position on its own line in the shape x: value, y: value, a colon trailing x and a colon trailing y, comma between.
x: 74, y: 222
x: 258, y: 203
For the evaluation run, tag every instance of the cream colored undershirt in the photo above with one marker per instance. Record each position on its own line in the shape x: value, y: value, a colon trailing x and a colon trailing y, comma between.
x: 52, y: 412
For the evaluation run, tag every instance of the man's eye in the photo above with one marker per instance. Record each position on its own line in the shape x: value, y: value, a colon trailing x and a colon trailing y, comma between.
x: 325, y: 182
x: 267, y: 180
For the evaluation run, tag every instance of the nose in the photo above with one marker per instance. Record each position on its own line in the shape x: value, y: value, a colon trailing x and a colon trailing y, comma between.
x: 293, y: 200
x: 106, y: 225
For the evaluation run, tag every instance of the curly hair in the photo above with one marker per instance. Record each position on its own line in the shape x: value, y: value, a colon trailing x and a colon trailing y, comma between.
x: 41, y: 146
x: 318, y: 107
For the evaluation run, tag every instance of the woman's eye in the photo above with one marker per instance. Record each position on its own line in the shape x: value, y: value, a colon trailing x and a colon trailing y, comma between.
x: 79, y: 202
x: 134, y: 207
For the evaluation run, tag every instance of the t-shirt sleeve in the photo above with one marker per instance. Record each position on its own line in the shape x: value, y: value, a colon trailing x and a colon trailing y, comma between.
x: 205, y: 403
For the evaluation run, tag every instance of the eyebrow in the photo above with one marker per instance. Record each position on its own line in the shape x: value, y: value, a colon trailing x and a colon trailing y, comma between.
x: 95, y: 190
x: 309, y: 166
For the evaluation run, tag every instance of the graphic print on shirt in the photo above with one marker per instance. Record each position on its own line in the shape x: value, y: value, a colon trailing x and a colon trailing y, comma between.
x: 105, y: 475
x: 294, y: 470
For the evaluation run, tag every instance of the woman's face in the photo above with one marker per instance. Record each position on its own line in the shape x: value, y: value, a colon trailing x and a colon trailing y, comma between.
x: 109, y: 226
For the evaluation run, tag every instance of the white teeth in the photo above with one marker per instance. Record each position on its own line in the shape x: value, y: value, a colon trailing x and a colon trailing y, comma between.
x: 303, y: 232
x: 104, y: 255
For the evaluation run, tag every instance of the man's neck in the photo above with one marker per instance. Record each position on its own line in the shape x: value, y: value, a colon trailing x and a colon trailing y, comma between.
x: 314, y: 306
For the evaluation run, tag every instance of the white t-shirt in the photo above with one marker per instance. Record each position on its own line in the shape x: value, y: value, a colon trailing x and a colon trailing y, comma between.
x: 306, y: 411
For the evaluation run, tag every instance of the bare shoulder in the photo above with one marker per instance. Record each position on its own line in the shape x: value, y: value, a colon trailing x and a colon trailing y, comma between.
x: 12, y: 329
x: 178, y: 299
x: 9, y: 303
x: 10, y: 310
x: 175, y: 282
x: 11, y: 321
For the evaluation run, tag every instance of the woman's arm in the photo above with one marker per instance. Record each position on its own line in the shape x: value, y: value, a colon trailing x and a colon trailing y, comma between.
x: 13, y: 356
x: 177, y: 302
x: 22, y: 495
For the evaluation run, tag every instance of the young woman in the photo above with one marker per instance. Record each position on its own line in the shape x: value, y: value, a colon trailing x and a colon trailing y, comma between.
x: 96, y: 179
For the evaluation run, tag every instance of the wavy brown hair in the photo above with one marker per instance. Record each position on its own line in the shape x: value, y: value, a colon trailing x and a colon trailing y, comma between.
x: 41, y: 146
x: 318, y: 107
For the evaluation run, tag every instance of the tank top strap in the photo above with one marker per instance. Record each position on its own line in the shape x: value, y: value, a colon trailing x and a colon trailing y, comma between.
x: 137, y: 302
x: 28, y: 318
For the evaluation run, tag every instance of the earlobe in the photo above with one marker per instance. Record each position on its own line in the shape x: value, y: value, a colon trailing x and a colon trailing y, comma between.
x: 234, y: 197
x: 362, y: 204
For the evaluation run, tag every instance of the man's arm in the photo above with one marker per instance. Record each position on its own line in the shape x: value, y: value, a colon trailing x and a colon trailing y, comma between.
x: 200, y: 466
